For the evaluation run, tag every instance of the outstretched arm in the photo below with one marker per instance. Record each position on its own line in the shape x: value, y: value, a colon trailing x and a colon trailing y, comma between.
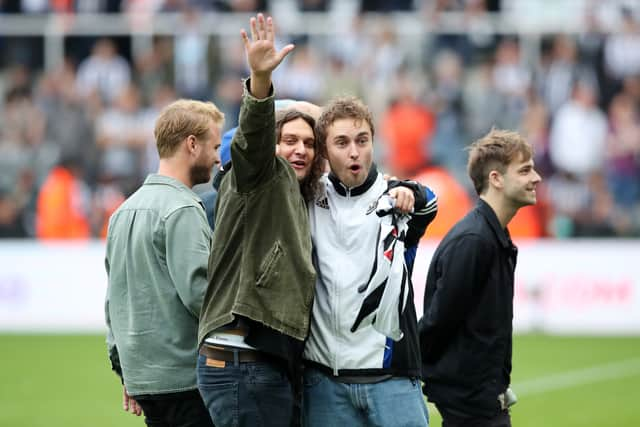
x: 253, y: 146
x: 262, y: 55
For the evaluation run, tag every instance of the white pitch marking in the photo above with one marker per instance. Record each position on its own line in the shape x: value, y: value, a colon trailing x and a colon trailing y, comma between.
x: 569, y: 379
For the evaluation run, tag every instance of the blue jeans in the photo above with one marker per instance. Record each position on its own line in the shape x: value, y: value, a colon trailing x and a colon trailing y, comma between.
x: 396, y: 402
x: 246, y: 394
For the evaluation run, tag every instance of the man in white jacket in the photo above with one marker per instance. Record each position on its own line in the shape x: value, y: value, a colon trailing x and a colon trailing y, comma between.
x: 362, y: 360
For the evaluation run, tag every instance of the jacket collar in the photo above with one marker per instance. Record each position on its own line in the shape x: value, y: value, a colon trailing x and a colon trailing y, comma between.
x: 342, y: 190
x: 156, y: 179
x: 489, y: 214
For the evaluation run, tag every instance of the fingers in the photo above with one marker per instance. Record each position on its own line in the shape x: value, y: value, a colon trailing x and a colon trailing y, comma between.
x: 245, y: 39
x: 270, y: 33
x: 254, y: 29
x: 404, y: 199
x: 262, y: 32
x: 284, y: 52
x: 261, y: 28
x: 125, y: 401
x: 135, y: 408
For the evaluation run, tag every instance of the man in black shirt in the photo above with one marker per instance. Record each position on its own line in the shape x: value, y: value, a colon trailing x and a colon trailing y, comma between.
x: 466, y: 330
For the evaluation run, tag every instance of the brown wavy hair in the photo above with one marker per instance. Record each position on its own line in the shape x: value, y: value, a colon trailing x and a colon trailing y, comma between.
x: 344, y: 107
x: 494, y: 151
x: 310, y: 185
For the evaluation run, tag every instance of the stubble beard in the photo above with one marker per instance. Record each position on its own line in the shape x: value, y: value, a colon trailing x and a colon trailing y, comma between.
x: 199, y: 174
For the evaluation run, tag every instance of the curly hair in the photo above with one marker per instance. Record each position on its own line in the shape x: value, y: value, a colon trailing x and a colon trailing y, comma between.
x: 310, y: 185
x: 347, y: 107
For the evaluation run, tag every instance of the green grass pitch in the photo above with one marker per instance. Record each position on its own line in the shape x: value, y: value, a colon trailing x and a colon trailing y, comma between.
x: 66, y: 381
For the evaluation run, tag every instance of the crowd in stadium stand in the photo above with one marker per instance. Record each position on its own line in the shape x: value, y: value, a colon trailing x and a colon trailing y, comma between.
x: 75, y: 141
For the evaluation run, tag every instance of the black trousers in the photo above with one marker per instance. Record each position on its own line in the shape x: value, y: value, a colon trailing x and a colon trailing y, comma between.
x: 185, y: 409
x: 503, y: 419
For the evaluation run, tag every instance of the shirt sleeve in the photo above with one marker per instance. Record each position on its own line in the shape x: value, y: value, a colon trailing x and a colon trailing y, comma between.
x: 425, y: 210
x: 188, y: 241
x: 112, y: 350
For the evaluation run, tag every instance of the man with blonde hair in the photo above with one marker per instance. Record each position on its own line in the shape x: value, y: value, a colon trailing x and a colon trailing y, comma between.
x: 158, y: 246
x: 466, y: 330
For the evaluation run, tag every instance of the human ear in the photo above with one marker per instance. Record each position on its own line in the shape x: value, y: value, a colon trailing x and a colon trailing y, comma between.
x: 495, y: 179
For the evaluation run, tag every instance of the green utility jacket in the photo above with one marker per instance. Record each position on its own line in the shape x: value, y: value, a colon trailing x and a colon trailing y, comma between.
x: 260, y: 265
x: 157, y: 249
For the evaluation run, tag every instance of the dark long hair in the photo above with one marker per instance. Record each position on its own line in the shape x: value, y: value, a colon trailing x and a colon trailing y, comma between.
x: 310, y: 185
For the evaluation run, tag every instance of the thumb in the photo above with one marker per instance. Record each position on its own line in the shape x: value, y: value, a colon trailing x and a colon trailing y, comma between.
x: 284, y: 52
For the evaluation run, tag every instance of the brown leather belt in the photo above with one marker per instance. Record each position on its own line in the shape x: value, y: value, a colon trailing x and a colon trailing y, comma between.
x: 229, y: 354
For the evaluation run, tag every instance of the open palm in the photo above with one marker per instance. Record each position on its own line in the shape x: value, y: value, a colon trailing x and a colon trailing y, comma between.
x: 261, y: 52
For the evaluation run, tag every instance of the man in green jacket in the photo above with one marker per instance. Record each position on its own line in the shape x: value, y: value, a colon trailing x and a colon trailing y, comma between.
x: 256, y: 310
x: 158, y: 244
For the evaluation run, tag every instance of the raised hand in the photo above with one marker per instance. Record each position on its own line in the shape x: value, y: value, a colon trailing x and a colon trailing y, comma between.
x: 261, y: 53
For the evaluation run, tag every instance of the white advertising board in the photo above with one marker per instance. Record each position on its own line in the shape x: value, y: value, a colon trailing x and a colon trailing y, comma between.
x: 52, y: 287
x: 569, y: 287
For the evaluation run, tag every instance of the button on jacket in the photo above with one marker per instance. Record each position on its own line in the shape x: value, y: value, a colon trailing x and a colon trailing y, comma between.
x: 466, y: 330
x: 260, y: 265
x: 157, y: 249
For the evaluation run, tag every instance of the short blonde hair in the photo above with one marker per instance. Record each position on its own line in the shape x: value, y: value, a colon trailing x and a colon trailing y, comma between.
x: 182, y: 118
x: 495, y: 151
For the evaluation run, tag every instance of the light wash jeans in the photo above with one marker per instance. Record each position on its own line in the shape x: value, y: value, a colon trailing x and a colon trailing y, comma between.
x: 252, y: 394
x: 396, y: 402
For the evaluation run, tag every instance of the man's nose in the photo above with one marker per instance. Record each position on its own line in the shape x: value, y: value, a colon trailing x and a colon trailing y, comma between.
x: 300, y: 148
x: 354, y: 153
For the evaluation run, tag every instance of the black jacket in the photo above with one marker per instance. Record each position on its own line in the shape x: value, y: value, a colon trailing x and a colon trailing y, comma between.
x: 466, y: 330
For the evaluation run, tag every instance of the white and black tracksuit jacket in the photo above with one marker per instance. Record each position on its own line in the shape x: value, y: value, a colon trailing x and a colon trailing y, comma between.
x: 345, y: 233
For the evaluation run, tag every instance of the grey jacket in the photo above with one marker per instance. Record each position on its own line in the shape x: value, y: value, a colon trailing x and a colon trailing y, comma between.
x: 157, y: 249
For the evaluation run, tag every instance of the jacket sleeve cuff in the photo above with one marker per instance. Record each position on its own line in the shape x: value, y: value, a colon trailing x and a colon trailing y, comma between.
x: 417, y: 189
x: 260, y: 106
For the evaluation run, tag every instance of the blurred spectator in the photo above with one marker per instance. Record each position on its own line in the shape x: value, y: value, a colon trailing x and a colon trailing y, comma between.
x: 302, y: 76
x: 382, y: 63
x: 385, y: 5
x: 535, y: 129
x: 558, y: 72
x: 467, y: 83
x: 407, y: 128
x: 313, y: 5
x: 623, y: 152
x: 154, y: 67
x: 512, y: 80
x: 11, y: 221
x: 63, y: 203
x: 453, y: 199
x: 122, y: 139
x: 191, y: 58
x: 447, y: 147
x: 622, y: 50
x: 480, y: 115
x: 104, y: 72
x: 69, y: 125
x: 578, y: 133
x: 246, y: 6
x: 22, y: 139
x: 163, y: 96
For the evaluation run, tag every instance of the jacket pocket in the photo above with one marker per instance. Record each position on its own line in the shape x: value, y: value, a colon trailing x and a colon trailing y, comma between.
x: 268, y: 266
